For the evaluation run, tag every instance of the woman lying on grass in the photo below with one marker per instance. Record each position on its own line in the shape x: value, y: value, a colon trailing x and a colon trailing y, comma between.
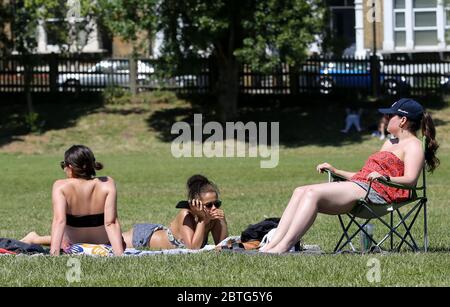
x: 84, y: 206
x: 400, y: 161
x: 190, y: 228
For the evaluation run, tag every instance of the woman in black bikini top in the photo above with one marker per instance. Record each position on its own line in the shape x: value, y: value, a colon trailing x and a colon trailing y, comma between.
x: 84, y: 206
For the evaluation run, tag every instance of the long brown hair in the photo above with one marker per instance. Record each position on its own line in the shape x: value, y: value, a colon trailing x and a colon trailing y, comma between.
x: 431, y: 145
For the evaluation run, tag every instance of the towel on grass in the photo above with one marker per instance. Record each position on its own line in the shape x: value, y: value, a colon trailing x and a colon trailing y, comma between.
x: 104, y: 250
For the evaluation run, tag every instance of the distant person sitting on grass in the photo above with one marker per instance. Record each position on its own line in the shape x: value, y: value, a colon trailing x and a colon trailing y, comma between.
x: 353, y: 118
x: 381, y: 128
x: 199, y: 216
x: 84, y: 206
x: 400, y: 160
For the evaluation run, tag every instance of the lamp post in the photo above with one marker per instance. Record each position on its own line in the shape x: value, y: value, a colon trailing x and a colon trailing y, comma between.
x: 374, y: 61
x: 374, y: 27
x: 11, y: 26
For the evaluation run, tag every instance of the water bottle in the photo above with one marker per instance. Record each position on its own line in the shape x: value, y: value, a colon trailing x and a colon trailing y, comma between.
x: 366, y: 242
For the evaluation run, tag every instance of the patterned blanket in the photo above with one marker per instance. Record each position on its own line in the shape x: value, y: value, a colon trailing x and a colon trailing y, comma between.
x: 103, y: 250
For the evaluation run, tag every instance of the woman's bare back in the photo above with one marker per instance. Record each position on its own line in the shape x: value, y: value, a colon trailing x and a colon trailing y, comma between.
x: 86, y: 197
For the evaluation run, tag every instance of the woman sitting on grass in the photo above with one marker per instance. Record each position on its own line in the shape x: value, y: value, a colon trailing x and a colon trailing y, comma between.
x: 190, y: 228
x: 400, y: 161
x: 84, y: 206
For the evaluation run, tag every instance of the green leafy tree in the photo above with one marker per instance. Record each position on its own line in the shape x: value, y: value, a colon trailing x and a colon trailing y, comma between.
x: 23, y: 17
x: 260, y: 33
x: 132, y: 20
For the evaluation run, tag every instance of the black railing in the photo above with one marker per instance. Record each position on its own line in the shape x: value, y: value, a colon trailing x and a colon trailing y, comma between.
x: 323, y: 76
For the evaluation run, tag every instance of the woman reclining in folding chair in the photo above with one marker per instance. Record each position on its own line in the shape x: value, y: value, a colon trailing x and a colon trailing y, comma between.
x: 399, y: 161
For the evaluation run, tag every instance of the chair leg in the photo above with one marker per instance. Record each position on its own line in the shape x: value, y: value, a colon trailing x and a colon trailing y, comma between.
x: 344, y: 234
x: 392, y: 235
x: 408, y: 228
x: 394, y: 229
x: 360, y: 229
x: 425, y: 226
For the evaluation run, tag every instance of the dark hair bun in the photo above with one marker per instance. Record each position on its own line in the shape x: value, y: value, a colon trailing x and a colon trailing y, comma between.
x: 197, y: 180
x: 98, y: 166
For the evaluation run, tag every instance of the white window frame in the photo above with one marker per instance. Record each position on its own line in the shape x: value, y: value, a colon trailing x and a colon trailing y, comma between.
x: 400, y: 29
x: 428, y: 28
x: 446, y: 26
x: 92, y: 40
x: 50, y: 47
x: 390, y: 28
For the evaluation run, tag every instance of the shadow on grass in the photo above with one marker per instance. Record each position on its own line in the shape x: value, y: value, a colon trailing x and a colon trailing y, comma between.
x: 439, y: 250
x: 54, y: 113
x: 303, y: 120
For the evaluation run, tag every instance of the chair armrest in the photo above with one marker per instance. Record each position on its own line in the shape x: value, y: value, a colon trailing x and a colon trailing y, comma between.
x: 334, y: 176
x: 382, y: 180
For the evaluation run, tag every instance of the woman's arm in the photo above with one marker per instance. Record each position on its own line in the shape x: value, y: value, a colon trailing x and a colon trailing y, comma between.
x: 59, y: 218
x: 219, y: 229
x: 112, y: 225
x: 345, y: 174
x: 194, y: 228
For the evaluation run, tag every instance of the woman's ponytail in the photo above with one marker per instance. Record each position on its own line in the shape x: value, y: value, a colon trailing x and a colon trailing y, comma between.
x: 431, y: 145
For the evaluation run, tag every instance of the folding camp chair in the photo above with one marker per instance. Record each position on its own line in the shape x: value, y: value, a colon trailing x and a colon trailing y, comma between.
x: 367, y: 211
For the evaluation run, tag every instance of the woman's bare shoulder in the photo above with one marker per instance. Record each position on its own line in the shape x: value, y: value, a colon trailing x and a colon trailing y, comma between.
x: 414, y: 145
x: 105, y: 182
x: 61, y: 183
x: 184, y: 217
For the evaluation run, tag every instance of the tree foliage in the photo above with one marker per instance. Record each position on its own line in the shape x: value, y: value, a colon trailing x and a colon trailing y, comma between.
x: 260, y: 33
x: 25, y: 16
x: 130, y: 20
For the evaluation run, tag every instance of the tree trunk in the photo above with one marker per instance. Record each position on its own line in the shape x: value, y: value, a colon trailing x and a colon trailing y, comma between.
x: 227, y: 88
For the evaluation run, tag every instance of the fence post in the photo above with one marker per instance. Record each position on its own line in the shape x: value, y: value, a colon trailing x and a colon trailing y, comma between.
x: 293, y: 79
x: 375, y: 75
x: 53, y: 73
x: 133, y: 75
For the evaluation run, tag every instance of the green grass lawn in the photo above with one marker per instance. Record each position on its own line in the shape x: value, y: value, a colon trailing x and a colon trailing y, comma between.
x: 150, y: 182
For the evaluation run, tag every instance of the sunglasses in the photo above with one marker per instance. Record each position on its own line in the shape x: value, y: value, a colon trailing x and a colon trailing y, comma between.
x: 216, y: 204
x: 63, y: 164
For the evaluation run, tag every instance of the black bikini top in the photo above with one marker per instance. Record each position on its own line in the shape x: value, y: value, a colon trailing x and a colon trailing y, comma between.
x: 93, y: 220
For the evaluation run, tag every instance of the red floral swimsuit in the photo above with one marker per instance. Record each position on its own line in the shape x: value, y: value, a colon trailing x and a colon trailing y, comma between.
x: 387, y: 164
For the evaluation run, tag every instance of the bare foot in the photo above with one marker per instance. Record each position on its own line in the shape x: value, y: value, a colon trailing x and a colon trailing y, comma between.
x: 273, y: 251
x: 29, y: 238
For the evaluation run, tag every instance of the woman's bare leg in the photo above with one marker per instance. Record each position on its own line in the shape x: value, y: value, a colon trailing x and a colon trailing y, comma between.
x: 329, y: 198
x: 34, y: 238
x: 286, y: 218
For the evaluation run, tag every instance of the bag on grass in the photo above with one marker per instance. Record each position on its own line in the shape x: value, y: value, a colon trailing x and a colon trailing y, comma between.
x: 256, y: 232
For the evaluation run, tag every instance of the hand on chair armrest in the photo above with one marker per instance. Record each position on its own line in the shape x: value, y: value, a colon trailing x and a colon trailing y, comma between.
x: 384, y: 181
x: 334, y: 176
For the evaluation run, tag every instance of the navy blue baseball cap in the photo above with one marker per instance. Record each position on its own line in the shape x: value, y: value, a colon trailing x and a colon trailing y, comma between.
x: 405, y: 107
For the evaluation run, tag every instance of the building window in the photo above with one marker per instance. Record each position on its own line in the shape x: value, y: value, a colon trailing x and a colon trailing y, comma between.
x: 425, y: 22
x: 399, y: 23
x: 447, y: 25
x: 55, y: 34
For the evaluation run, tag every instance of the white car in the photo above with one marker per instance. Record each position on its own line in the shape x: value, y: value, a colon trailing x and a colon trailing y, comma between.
x: 105, y: 73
